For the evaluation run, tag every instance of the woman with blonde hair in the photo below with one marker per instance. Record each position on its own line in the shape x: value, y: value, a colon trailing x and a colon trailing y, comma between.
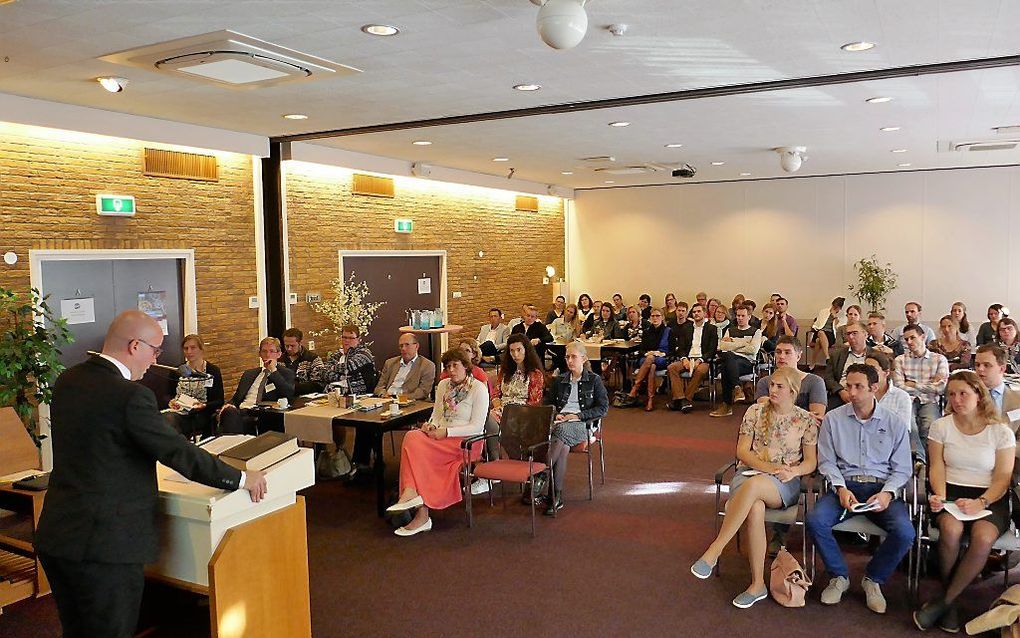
x: 568, y: 326
x: 970, y: 464
x: 776, y: 445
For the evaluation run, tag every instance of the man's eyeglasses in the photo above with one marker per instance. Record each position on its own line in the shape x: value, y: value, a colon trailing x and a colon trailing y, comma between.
x: 155, y: 350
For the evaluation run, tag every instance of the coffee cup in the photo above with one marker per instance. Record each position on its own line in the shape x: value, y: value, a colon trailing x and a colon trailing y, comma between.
x: 282, y: 403
x: 394, y: 408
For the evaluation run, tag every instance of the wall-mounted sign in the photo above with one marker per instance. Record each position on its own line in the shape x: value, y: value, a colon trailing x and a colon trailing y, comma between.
x: 118, y: 205
x: 78, y: 310
x: 403, y: 225
x: 424, y: 285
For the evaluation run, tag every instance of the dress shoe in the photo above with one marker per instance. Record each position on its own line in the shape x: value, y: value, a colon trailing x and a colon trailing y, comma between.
x: 554, y: 506
x: 873, y: 595
x: 834, y: 592
x: 424, y: 527
x: 950, y: 621
x: 417, y: 501
x: 930, y: 614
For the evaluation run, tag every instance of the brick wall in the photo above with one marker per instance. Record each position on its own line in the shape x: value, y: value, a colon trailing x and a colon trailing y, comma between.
x: 48, y: 183
x: 324, y: 217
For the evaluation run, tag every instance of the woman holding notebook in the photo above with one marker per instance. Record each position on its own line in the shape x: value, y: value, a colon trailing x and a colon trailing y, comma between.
x: 970, y: 462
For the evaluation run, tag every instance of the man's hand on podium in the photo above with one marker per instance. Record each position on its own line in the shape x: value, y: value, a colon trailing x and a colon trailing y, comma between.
x: 255, y: 483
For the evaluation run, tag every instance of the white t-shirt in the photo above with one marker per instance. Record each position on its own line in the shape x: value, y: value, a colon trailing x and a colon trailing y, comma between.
x: 970, y: 458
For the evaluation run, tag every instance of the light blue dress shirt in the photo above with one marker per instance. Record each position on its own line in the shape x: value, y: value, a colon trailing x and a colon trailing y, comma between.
x: 878, y: 447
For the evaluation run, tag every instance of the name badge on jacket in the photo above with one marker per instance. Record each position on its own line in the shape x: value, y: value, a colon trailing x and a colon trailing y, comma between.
x: 209, y: 382
x: 270, y: 387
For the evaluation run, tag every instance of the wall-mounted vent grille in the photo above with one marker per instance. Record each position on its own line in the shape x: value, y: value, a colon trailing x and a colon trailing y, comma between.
x: 180, y: 165
x: 527, y: 203
x: 979, y: 145
x: 372, y: 185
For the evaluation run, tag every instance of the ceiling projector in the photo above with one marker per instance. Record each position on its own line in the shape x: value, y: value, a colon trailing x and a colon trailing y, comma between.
x: 561, y: 24
x: 685, y: 171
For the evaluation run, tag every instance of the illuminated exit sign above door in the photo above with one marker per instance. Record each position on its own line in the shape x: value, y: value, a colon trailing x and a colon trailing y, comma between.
x: 403, y: 226
x: 118, y: 205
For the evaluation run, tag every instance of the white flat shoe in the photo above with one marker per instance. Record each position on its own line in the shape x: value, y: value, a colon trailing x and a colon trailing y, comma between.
x: 425, y: 527
x: 406, y: 505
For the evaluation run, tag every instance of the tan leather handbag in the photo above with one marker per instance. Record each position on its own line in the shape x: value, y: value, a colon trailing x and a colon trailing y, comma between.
x: 788, y: 582
x: 1004, y: 615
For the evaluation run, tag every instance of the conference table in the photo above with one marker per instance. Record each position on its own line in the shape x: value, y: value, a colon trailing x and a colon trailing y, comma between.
x: 375, y: 422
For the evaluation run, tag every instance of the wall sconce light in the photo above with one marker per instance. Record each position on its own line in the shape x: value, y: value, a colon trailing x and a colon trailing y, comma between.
x: 550, y: 271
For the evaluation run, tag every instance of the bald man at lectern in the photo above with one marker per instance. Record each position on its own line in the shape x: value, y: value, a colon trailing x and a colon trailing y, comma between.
x: 97, y: 529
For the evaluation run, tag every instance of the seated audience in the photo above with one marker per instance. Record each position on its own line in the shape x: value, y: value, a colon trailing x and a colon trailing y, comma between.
x: 679, y: 317
x: 702, y: 298
x: 619, y: 308
x: 307, y: 366
x: 738, y: 300
x: 878, y: 339
x: 635, y: 326
x: 351, y: 369
x: 769, y: 327
x: 655, y: 346
x: 840, y: 361
x: 949, y: 344
x: 470, y: 347
x: 754, y: 321
x: 492, y: 336
x: 535, y: 331
x: 203, y: 382
x: 958, y: 311
x: 923, y: 375
x: 408, y: 374
x: 812, y: 395
x: 823, y: 331
x: 889, y: 396
x: 912, y: 312
x: 990, y: 366
x: 559, y: 304
x: 864, y: 454
x: 713, y: 303
x: 720, y: 319
x: 787, y: 324
x: 987, y: 331
x: 738, y: 353
x: 269, y: 382
x: 579, y: 396
x: 970, y: 464
x: 584, y: 306
x: 566, y: 327
x: 604, y: 325
x: 669, y: 305
x: 431, y: 457
x: 520, y: 380
x: 853, y: 314
x: 774, y: 297
x: 516, y: 321
x: 778, y: 440
x: 645, y: 306
x: 1007, y: 337
x: 696, y: 344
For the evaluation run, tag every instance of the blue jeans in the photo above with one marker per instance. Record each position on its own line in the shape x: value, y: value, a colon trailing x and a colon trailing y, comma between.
x: 924, y: 415
x: 894, y: 520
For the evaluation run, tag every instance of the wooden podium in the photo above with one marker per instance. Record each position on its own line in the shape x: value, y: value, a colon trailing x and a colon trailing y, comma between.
x: 251, y: 559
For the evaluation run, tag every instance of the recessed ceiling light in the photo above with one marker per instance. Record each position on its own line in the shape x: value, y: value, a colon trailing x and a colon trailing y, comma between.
x: 609, y: 181
x: 718, y: 163
x: 673, y: 145
x: 380, y: 29
x: 858, y: 46
x: 527, y: 87
x: 422, y: 143
x: 745, y: 174
x: 889, y: 129
x: 899, y: 150
x: 904, y: 165
x: 878, y: 100
x: 566, y: 172
x: 619, y: 124
x: 113, y: 84
x: 500, y: 159
x: 295, y: 116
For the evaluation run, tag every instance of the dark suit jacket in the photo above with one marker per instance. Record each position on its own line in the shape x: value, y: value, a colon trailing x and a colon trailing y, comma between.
x: 418, y: 382
x: 834, y: 370
x: 107, y: 436
x: 536, y: 331
x: 684, y: 340
x: 283, y: 379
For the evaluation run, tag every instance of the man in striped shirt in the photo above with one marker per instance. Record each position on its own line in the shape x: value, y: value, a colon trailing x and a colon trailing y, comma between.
x: 922, y: 374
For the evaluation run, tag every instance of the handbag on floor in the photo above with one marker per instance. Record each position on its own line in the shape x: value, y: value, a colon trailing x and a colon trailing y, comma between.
x: 623, y: 400
x: 788, y: 582
x: 333, y: 464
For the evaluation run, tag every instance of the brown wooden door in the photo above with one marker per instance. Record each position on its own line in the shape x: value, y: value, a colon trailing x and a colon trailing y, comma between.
x: 394, y: 280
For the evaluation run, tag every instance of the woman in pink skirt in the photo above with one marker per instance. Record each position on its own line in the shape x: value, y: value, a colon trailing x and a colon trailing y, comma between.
x: 431, y: 458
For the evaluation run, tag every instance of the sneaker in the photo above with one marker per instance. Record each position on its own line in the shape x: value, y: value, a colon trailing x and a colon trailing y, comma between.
x: 873, y: 595
x: 738, y: 395
x: 686, y: 406
x: 480, y: 486
x: 746, y: 599
x: 724, y: 409
x: 834, y: 592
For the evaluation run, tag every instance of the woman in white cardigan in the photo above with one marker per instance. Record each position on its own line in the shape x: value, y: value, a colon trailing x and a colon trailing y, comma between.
x: 823, y: 331
x: 431, y: 457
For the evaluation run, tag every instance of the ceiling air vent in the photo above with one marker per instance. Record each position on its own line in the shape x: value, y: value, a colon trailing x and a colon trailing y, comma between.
x: 633, y: 169
x: 230, y: 59
x: 979, y: 145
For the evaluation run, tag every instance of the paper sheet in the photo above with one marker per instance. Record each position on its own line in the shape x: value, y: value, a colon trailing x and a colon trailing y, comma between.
x: 960, y: 516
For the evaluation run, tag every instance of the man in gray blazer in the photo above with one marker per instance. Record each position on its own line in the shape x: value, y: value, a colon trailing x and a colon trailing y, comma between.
x: 407, y: 374
x: 842, y: 358
x: 492, y: 337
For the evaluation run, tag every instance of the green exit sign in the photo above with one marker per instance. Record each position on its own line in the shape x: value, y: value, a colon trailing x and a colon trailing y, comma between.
x: 403, y: 225
x: 115, y: 205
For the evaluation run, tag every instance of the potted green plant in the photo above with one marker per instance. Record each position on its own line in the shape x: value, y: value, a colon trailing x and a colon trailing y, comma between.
x: 875, y: 281
x: 30, y: 341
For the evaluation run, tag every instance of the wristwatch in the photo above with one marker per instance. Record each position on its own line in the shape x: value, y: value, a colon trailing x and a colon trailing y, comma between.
x: 984, y: 501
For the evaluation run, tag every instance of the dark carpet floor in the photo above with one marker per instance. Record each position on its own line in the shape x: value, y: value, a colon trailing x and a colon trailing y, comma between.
x: 615, y: 566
